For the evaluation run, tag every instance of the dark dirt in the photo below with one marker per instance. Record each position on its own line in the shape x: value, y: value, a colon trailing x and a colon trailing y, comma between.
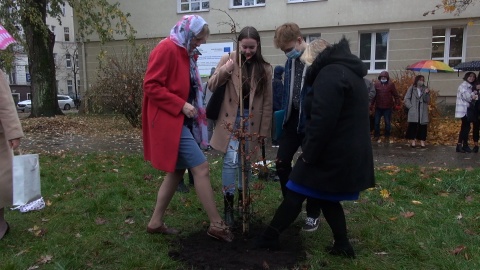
x: 199, y: 252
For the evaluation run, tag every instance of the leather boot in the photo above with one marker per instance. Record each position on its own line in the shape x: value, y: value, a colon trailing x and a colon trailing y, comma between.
x: 228, y: 211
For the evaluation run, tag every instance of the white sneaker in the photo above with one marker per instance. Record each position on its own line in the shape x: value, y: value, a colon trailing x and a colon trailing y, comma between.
x: 311, y: 224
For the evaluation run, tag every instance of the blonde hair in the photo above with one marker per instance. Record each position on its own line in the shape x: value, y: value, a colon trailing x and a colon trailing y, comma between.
x: 313, y: 49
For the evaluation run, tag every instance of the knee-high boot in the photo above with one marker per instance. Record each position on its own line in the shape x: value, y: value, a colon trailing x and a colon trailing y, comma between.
x: 228, y: 211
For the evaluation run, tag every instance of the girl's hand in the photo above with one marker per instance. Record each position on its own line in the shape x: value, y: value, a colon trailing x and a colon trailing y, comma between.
x: 229, y: 65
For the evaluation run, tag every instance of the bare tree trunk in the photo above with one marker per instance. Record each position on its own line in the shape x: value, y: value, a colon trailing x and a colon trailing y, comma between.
x: 41, y: 63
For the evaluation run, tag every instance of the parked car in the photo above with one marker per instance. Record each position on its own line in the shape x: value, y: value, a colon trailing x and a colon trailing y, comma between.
x: 64, y: 102
x: 25, y: 105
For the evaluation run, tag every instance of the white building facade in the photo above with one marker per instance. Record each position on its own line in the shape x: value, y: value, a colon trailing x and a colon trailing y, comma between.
x: 385, y: 34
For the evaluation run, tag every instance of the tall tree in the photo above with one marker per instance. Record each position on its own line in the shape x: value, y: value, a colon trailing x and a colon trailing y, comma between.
x: 26, y: 20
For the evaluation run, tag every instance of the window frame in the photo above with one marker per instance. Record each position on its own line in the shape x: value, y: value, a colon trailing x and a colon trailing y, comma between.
x: 68, y: 60
x: 446, y: 52
x: 66, y: 33
x: 373, y: 58
x: 189, y: 2
x: 244, y: 6
x: 69, y: 88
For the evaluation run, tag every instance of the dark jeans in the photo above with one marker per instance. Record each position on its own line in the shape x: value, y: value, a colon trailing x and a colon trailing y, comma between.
x: 291, y: 206
x: 465, y: 130
x: 416, y: 131
x: 289, y: 143
x: 387, y: 116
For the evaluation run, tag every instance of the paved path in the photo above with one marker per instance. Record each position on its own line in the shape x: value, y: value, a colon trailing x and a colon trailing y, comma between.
x: 384, y: 154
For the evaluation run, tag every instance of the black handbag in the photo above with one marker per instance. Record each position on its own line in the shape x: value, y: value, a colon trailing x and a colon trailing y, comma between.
x: 215, y: 102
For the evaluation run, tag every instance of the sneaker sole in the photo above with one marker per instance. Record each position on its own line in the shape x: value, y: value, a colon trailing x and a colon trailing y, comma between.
x: 310, y: 230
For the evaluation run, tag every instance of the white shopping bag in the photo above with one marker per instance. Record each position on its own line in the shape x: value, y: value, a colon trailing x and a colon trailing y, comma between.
x: 26, y: 179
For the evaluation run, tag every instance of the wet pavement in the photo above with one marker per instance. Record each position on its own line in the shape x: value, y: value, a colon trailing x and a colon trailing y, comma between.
x: 385, y: 154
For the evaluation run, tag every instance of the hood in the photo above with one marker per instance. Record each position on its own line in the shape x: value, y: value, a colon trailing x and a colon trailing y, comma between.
x: 278, y: 72
x: 340, y: 54
x: 384, y: 74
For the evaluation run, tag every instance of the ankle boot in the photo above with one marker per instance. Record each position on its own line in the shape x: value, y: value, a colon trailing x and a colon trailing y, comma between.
x: 240, y: 203
x: 341, y: 248
x: 228, y: 211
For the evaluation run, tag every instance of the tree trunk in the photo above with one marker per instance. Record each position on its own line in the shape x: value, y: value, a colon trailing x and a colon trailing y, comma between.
x: 41, y: 63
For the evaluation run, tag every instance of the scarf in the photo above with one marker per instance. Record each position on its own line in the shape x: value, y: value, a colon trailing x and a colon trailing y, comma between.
x: 182, y: 34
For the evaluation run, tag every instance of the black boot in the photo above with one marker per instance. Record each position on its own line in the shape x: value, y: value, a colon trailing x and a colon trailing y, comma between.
x: 228, y: 211
x: 341, y: 248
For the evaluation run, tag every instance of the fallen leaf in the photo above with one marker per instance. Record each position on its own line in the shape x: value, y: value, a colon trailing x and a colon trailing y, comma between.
x: 469, y: 199
x: 21, y: 252
x: 469, y: 232
x: 100, y: 221
x: 147, y: 177
x: 393, y: 218
x: 33, y: 267
x: 381, y: 253
x: 459, y: 216
x: 416, y: 202
x: 48, y: 203
x: 458, y: 249
x: 407, y: 214
x: 115, y: 170
x: 130, y: 221
x: 45, y: 259
x: 384, y: 193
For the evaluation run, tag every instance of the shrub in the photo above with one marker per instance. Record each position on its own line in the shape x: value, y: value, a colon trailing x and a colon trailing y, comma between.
x: 119, y: 86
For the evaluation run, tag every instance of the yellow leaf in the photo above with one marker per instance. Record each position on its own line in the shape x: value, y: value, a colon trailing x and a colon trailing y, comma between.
x: 416, y: 202
x: 384, y: 193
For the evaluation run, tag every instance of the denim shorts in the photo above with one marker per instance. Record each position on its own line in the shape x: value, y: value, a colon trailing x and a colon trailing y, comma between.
x: 189, y: 153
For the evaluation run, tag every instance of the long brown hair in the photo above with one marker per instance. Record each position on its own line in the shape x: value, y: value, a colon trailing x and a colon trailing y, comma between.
x: 260, y: 74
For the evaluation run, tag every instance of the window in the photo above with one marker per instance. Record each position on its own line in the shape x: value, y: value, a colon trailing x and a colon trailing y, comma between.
x: 66, y: 32
x: 192, y: 5
x: 29, y: 96
x: 247, y: 3
x: 447, y: 45
x: 68, y: 59
x: 311, y: 37
x: 69, y: 87
x: 63, y: 9
x: 373, y: 50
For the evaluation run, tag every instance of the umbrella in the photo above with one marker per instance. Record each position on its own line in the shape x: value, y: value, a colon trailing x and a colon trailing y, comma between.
x: 469, y: 66
x: 430, y: 66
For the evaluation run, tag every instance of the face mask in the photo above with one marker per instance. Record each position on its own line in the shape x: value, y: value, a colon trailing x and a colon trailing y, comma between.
x: 293, y: 54
x: 383, y: 80
x: 419, y: 83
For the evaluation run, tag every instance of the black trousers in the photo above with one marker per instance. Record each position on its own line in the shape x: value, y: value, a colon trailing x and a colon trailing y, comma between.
x: 465, y: 130
x: 291, y: 206
x: 416, y: 131
x: 289, y: 143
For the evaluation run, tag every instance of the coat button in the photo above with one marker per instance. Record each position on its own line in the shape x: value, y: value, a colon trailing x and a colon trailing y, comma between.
x: 226, y: 114
x: 230, y: 100
x: 252, y: 108
x: 252, y: 124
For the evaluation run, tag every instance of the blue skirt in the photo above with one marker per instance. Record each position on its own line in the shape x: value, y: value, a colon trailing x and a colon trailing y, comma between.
x: 189, y: 153
x: 322, y: 195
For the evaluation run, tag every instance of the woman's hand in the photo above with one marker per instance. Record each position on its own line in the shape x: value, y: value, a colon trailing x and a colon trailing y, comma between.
x: 14, y: 143
x: 427, y: 90
x: 229, y: 66
x: 189, y: 110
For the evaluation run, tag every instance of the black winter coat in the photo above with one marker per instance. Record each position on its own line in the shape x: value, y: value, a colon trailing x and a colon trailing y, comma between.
x: 337, y: 148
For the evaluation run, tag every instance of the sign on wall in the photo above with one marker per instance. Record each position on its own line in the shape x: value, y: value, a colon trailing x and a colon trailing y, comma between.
x: 211, y: 54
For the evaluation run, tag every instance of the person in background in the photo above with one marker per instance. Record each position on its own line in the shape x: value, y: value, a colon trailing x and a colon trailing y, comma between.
x: 277, y: 87
x: 386, y: 99
x: 10, y: 135
x: 289, y: 39
x: 371, y: 95
x: 256, y: 85
x: 210, y: 123
x: 416, y: 100
x: 173, y: 122
x: 337, y: 105
x: 466, y: 98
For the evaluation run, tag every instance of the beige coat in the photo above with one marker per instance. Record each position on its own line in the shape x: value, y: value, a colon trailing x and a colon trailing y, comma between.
x: 260, y: 107
x: 10, y: 128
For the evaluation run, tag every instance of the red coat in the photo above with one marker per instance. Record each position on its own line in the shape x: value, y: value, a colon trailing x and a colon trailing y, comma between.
x: 165, y: 90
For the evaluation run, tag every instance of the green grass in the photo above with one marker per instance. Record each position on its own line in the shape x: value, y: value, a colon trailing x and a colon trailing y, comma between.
x: 99, y: 205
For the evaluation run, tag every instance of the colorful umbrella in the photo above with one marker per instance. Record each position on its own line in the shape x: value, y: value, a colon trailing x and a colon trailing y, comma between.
x: 430, y: 66
x: 5, y: 38
x: 469, y: 66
